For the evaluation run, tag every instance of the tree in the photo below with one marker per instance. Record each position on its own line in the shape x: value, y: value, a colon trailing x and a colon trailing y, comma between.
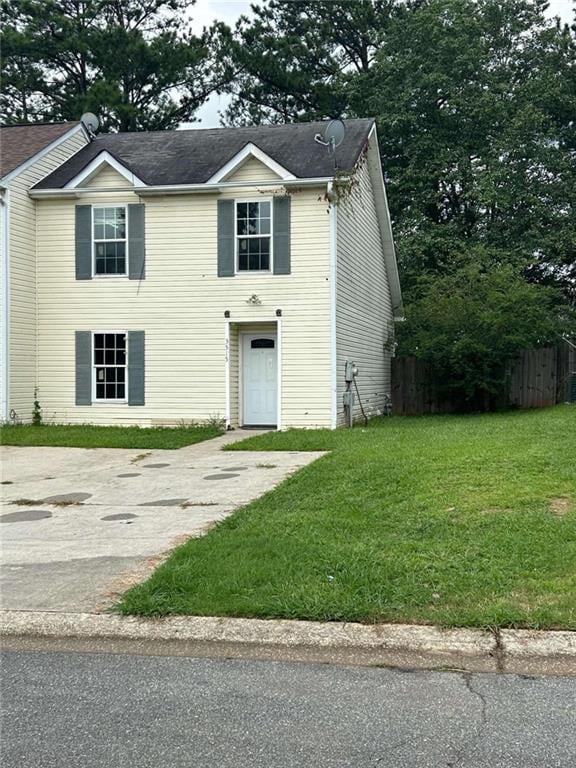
x: 135, y: 63
x: 472, y: 324
x: 289, y: 58
x: 474, y: 101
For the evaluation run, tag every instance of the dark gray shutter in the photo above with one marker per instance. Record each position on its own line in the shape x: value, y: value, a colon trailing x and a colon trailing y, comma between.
x: 136, y: 368
x: 281, y: 224
x: 83, y: 368
x: 136, y: 242
x: 225, y: 238
x: 83, y: 242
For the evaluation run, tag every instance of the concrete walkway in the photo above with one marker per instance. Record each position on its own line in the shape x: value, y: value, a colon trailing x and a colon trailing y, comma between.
x: 82, y: 525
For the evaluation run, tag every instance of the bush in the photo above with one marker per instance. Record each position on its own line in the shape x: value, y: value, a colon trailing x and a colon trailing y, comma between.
x: 472, y: 324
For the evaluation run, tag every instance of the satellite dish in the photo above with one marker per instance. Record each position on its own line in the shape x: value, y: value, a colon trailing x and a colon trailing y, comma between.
x: 334, y: 133
x: 332, y: 136
x: 90, y: 121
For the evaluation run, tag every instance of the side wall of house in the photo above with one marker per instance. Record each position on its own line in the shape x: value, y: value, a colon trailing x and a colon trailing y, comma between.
x: 3, y: 299
x: 180, y: 306
x: 23, y: 275
x: 364, y: 318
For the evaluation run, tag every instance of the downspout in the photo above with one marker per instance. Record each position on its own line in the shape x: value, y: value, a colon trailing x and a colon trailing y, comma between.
x: 332, y: 199
x: 5, y: 322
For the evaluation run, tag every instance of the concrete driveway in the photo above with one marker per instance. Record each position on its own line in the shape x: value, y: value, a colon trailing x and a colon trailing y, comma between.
x: 79, y: 526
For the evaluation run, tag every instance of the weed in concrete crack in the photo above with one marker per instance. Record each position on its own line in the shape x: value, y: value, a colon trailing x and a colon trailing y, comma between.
x: 140, y: 457
x: 199, y: 504
x: 40, y: 502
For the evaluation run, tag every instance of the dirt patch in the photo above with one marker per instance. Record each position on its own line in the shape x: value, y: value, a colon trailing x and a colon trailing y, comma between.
x: 137, y: 575
x: 561, y: 506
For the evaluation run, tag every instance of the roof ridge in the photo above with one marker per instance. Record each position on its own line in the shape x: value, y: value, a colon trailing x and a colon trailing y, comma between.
x: 233, y: 127
x: 34, y: 125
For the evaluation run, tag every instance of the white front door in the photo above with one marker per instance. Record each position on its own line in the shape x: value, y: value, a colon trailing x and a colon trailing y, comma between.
x: 260, y: 379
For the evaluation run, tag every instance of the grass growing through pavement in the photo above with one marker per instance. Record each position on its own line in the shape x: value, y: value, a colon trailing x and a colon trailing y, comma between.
x: 89, y: 436
x: 466, y: 521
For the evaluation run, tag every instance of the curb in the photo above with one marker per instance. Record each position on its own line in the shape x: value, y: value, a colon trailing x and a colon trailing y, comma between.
x: 407, y: 646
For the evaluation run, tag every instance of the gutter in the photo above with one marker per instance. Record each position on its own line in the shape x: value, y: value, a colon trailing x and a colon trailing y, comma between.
x: 5, y: 292
x: 180, y: 189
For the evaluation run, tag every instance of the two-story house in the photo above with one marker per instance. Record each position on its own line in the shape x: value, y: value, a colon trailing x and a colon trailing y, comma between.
x: 225, y: 273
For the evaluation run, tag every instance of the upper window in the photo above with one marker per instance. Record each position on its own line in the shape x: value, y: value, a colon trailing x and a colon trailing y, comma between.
x: 253, y: 236
x: 109, y: 366
x: 109, y: 240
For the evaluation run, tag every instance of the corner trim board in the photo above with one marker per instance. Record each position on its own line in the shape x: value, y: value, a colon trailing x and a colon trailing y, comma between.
x: 333, y: 305
x: 5, y: 336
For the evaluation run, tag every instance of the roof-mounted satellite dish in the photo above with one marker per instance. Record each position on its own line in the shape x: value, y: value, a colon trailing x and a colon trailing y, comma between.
x: 332, y: 136
x: 91, y: 122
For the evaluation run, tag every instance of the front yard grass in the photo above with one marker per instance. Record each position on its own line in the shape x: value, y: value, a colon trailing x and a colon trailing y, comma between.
x: 453, y: 520
x: 89, y: 436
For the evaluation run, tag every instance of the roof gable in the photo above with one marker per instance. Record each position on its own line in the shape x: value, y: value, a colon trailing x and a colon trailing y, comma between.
x: 103, y: 160
x: 21, y: 144
x: 250, y: 151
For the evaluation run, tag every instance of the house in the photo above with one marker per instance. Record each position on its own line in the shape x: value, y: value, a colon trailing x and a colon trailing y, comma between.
x: 27, y: 154
x: 215, y: 273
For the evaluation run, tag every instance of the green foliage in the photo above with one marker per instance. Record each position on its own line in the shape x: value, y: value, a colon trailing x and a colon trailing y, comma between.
x: 36, y: 410
x: 290, y: 56
x: 90, y: 436
x: 471, y: 324
x: 135, y: 63
x: 475, y: 104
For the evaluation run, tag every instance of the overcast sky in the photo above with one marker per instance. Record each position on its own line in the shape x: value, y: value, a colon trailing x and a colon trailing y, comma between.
x: 206, y: 11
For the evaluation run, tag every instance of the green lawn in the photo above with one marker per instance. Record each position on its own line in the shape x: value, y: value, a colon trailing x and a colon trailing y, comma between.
x: 88, y: 436
x: 459, y: 521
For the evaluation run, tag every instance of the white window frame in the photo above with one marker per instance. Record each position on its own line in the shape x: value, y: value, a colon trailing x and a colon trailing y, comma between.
x: 109, y: 240
x: 237, y: 237
x: 105, y: 400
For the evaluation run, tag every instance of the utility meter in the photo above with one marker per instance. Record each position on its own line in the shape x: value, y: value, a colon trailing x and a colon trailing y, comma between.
x: 350, y: 371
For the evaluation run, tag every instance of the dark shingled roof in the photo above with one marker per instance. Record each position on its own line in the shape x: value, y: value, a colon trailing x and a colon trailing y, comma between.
x: 193, y: 156
x: 19, y: 143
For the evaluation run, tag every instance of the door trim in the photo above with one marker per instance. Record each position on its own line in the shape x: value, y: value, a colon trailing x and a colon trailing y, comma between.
x: 241, y: 339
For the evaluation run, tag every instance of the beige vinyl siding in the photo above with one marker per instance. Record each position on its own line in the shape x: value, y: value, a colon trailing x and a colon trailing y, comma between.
x: 107, y: 177
x: 23, y: 274
x: 3, y: 350
x: 180, y: 306
x: 252, y: 170
x: 363, y: 306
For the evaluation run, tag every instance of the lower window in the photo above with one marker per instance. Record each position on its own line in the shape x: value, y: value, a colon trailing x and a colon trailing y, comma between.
x: 109, y: 366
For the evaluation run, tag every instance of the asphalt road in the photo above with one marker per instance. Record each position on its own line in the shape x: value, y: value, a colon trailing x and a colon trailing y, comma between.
x: 80, y: 710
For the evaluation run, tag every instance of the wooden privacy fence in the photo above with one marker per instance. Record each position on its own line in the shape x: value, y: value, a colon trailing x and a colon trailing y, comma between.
x: 539, y: 377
